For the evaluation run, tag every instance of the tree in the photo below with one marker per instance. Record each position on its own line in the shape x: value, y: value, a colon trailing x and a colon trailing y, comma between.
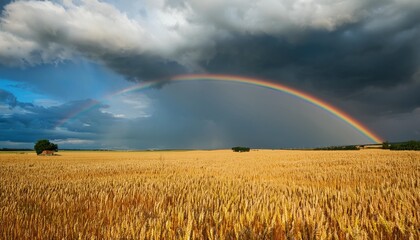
x: 385, y: 145
x: 45, y: 144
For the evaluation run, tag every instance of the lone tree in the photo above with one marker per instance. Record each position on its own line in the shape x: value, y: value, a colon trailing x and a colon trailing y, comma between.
x: 241, y: 149
x: 44, y: 144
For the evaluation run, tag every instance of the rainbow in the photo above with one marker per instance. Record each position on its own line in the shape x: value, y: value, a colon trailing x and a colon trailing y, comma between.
x: 244, y: 80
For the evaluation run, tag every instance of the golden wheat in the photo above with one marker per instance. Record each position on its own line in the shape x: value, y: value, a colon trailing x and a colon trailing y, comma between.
x: 367, y: 194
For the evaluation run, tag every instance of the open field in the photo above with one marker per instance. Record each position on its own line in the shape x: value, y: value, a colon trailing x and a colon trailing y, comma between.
x: 211, y: 195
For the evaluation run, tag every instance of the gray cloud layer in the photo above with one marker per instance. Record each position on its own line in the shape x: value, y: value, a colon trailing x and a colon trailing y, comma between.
x: 333, y: 43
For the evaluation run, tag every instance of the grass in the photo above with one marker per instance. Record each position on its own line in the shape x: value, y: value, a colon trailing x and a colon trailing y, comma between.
x: 220, y: 194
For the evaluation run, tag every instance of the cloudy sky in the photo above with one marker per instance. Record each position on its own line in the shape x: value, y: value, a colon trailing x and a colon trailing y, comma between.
x: 61, y: 61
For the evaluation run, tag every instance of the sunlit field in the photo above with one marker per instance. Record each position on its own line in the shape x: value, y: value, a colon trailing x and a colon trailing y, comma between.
x: 366, y: 194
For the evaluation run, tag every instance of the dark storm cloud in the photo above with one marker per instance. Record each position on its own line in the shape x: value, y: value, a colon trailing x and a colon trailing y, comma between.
x: 143, y: 68
x: 380, y: 66
x: 323, y: 59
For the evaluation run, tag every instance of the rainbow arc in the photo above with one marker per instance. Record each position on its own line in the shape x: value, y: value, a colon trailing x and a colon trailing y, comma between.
x: 242, y: 80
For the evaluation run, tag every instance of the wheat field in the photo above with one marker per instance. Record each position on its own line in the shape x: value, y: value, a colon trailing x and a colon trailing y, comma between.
x: 263, y: 194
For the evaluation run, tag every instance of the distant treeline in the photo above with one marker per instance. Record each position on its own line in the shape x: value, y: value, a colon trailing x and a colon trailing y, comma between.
x: 28, y: 149
x: 15, y: 149
x: 338, y: 148
x: 410, y: 145
x: 87, y: 150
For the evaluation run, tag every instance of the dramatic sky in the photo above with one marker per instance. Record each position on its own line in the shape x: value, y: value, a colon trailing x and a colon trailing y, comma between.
x: 61, y: 61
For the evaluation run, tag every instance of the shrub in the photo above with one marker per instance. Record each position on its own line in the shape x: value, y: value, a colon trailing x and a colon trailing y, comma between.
x: 385, y: 145
x: 241, y: 149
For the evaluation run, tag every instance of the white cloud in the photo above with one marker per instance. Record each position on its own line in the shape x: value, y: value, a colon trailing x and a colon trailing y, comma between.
x: 46, y: 103
x: 128, y: 105
x: 72, y: 141
x: 7, y: 111
x: 35, y: 31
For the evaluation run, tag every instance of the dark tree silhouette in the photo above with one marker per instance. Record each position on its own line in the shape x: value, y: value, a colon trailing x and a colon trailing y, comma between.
x: 241, y: 149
